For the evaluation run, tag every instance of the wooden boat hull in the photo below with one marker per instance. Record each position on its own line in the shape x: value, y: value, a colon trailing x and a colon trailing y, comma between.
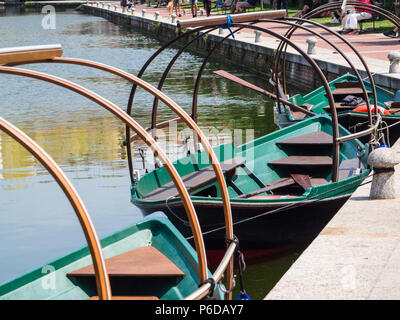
x: 288, y: 220
x: 282, y: 228
x: 53, y: 281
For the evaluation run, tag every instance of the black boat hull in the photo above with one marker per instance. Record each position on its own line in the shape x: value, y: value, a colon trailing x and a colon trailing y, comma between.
x: 359, y: 121
x: 281, y: 228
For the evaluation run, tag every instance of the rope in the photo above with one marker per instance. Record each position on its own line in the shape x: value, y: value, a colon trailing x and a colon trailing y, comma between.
x: 228, y: 25
x: 241, y: 268
x: 184, y: 222
x: 211, y: 281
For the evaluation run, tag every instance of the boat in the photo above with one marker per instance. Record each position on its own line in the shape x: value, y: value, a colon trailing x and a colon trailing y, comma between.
x: 353, y: 118
x: 349, y: 116
x: 282, y: 187
x: 149, y: 260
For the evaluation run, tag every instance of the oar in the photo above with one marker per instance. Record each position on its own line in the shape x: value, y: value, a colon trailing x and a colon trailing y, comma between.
x: 251, y: 86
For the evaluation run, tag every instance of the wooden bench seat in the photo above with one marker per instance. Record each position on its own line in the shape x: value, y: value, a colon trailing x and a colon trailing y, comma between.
x: 317, y: 138
x: 194, y: 180
x: 339, y: 92
x: 302, y: 161
x: 140, y: 262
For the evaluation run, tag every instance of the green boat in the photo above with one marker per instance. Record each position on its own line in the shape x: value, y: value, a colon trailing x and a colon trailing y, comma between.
x: 354, y: 121
x: 316, y: 102
x: 149, y: 260
x: 283, y: 187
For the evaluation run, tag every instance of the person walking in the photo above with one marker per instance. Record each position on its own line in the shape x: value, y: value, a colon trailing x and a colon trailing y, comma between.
x: 193, y: 7
x: 207, y: 7
x: 393, y: 33
x: 350, y: 21
x: 279, y: 4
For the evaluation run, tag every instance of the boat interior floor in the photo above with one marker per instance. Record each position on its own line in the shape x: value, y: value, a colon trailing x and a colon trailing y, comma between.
x: 195, y: 180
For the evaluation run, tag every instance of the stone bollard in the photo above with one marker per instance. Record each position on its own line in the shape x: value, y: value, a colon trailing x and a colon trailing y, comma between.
x: 143, y: 12
x: 220, y: 31
x: 173, y: 17
x: 258, y: 35
x: 201, y: 12
x: 115, y: 8
x: 123, y: 9
x: 109, y: 6
x: 133, y: 11
x: 383, y: 161
x: 394, y: 58
x: 311, y: 45
x: 156, y: 15
x: 102, y: 5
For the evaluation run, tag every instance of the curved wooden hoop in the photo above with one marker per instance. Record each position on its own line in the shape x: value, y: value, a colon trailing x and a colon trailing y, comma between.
x: 96, y: 252
x: 335, y: 135
x: 185, y: 118
x: 284, y: 46
x: 289, y: 33
x: 120, y: 114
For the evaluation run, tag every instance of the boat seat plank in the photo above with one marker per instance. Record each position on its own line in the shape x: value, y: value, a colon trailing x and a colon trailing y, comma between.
x: 314, y: 181
x: 347, y: 84
x: 194, y: 180
x: 339, y: 107
x: 140, y: 262
x: 285, y: 182
x: 313, y: 138
x: 127, y: 298
x: 349, y: 91
x: 300, y: 161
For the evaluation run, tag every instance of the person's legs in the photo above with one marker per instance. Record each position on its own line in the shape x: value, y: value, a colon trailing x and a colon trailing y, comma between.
x: 392, y: 33
x: 193, y: 7
x: 207, y: 7
x: 350, y: 21
x: 242, y: 6
x: 285, y: 5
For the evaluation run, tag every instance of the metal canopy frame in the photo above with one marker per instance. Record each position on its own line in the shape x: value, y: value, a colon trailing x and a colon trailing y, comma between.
x: 226, y: 264
x: 285, y: 42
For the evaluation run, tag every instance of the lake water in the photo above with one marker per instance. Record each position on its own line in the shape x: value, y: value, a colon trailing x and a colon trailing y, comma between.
x: 37, y: 222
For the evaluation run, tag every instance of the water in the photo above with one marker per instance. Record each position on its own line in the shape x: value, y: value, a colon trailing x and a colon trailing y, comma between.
x: 37, y: 222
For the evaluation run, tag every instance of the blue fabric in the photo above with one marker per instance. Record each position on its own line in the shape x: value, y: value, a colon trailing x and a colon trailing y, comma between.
x: 218, y: 4
x: 228, y: 25
x: 243, y: 296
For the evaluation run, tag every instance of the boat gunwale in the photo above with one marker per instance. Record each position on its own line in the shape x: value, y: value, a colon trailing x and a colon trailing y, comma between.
x: 147, y: 223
